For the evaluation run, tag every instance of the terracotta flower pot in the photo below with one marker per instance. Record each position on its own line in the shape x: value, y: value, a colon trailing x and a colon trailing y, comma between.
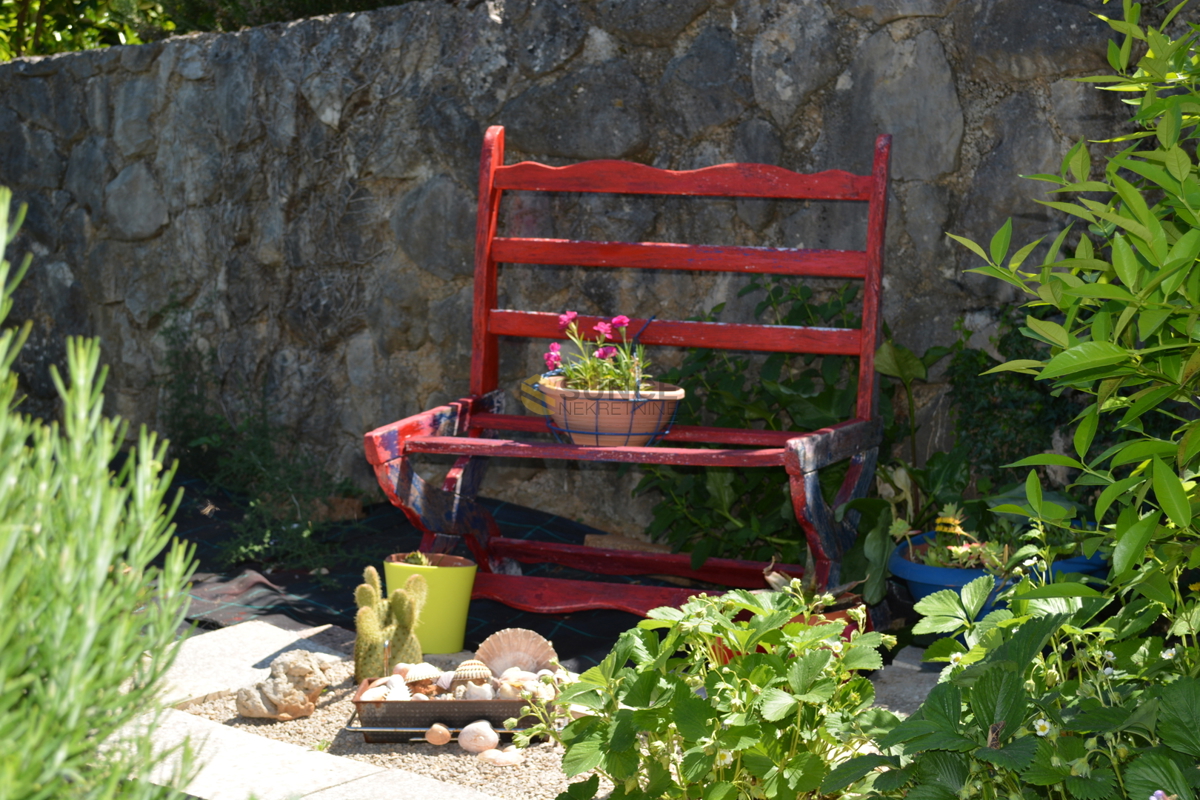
x: 610, y: 418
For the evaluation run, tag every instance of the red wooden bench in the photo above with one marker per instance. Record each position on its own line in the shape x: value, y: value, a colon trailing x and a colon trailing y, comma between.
x: 475, y: 427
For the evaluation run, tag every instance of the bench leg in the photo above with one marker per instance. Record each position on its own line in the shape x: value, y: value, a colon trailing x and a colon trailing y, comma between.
x: 829, y: 539
x: 443, y: 515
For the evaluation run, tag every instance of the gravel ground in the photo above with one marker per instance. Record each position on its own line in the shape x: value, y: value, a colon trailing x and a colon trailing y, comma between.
x: 539, y: 778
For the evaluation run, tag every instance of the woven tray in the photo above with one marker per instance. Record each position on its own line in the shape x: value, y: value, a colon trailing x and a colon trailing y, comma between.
x: 402, y: 720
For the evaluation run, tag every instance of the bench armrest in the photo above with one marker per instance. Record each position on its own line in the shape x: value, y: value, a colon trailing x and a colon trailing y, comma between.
x: 812, y: 451
x: 453, y: 419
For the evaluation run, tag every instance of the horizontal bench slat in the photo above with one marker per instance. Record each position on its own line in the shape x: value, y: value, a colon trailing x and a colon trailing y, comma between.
x: 562, y: 596
x: 679, y: 433
x: 470, y: 446
x: 724, y: 180
x: 717, y: 335
x: 669, y: 255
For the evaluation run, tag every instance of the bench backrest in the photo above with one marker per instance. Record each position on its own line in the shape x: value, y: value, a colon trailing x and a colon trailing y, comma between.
x: 726, y: 180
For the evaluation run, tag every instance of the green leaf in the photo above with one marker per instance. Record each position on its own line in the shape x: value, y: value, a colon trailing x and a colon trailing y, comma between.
x: 942, y: 649
x: 999, y: 701
x: 897, y: 361
x: 1103, y: 291
x: 1052, y: 332
x: 692, y: 714
x: 1025, y: 365
x: 723, y: 790
x: 1085, y: 356
x: 1131, y: 543
x: 854, y: 770
x: 1153, y: 771
x: 967, y: 243
x: 776, y: 704
x: 1125, y: 262
x: 975, y: 594
x: 1016, y: 755
x: 804, y: 670
x: 696, y: 764
x: 1085, y: 432
x: 1079, y: 161
x: 1043, y: 771
x: 1000, y: 242
x: 1059, y: 590
x: 1171, y: 496
x: 1177, y: 163
x: 583, y: 790
x: 1167, y: 130
x: 943, y: 708
x: 1045, y: 459
x: 1097, y: 786
x: 1178, y: 716
x: 1033, y: 491
x: 862, y: 658
x: 586, y: 750
x: 805, y: 772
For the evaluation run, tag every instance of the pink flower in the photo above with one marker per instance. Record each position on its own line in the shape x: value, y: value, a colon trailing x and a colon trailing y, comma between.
x: 604, y: 329
x: 553, y: 359
x: 620, y: 322
x: 605, y: 352
x: 565, y: 320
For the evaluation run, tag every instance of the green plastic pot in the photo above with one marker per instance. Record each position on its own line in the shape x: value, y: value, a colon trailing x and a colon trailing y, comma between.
x: 443, y: 622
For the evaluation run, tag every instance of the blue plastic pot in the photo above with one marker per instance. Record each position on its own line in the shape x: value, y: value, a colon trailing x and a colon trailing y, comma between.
x: 923, y: 580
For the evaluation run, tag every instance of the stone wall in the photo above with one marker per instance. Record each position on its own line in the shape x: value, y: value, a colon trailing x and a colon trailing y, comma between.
x: 299, y: 198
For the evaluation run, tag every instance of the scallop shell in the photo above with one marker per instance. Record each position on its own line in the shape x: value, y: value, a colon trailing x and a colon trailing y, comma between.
x: 471, y: 672
x: 374, y: 694
x: 516, y: 647
x: 399, y: 691
x: 422, y: 672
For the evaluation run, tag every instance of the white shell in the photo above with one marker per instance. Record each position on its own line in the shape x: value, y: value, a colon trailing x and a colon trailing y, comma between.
x: 472, y: 671
x: 375, y: 693
x: 437, y: 734
x: 478, y: 736
x: 460, y: 691
x: 475, y: 691
x: 509, y: 691
x: 521, y: 676
x: 399, y: 692
x: 422, y: 672
x: 419, y: 697
x: 381, y: 682
x: 516, y: 647
x: 401, y: 669
x: 508, y: 757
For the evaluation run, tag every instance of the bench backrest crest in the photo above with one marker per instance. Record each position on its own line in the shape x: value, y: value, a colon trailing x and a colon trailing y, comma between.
x: 725, y: 180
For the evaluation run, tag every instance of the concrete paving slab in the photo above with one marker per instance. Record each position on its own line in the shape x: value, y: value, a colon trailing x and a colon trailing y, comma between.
x: 398, y: 784
x: 220, y: 662
x: 904, y: 684
x: 237, y: 765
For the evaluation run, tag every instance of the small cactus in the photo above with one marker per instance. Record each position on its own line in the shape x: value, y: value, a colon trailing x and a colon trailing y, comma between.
x: 385, y: 628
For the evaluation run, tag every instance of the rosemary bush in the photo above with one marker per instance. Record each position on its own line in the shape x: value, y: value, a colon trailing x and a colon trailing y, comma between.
x: 94, y: 588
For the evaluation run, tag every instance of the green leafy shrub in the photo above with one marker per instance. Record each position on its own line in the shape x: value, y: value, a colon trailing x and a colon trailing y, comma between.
x: 42, y: 27
x: 94, y: 588
x: 745, y: 695
x: 747, y: 513
x: 282, y: 490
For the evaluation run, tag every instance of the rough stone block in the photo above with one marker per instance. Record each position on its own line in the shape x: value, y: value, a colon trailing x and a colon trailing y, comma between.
x: 133, y: 204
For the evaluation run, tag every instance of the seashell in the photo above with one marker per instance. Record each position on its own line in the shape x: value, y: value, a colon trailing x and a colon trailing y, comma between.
x: 446, y: 696
x: 479, y: 691
x: 420, y: 697
x: 460, y: 691
x: 374, y: 694
x: 437, y: 734
x: 516, y: 647
x: 521, y: 676
x: 422, y: 672
x: 546, y: 692
x: 446, y: 682
x: 399, y: 692
x: 401, y: 669
x: 478, y: 736
x: 381, y: 682
x: 510, y: 690
x: 471, y: 672
x: 508, y: 757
